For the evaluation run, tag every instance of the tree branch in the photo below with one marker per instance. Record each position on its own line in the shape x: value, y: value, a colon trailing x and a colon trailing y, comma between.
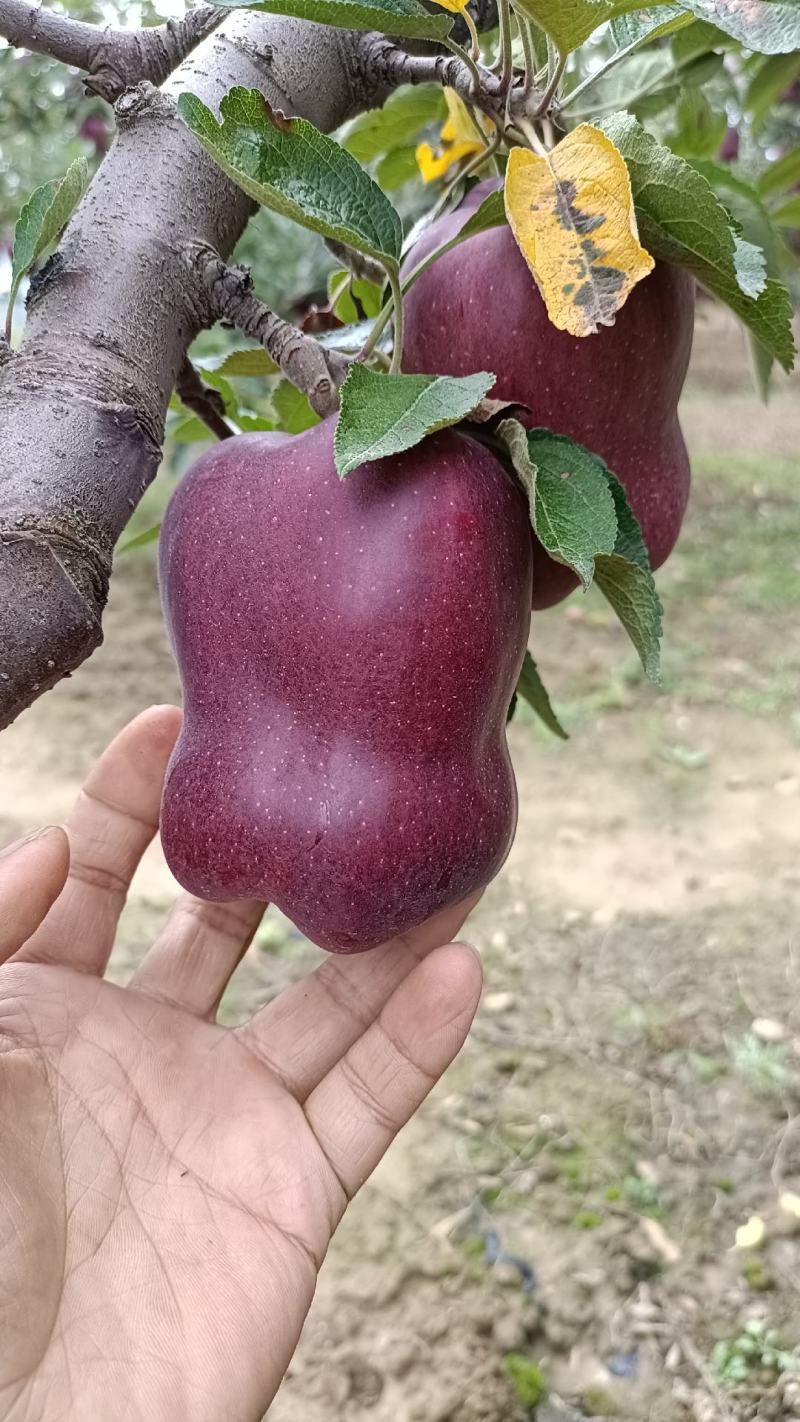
x: 203, y: 400
x: 112, y: 59
x: 230, y: 297
x: 388, y: 66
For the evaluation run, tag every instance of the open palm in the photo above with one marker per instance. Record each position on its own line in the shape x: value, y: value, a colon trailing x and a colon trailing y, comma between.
x: 168, y: 1187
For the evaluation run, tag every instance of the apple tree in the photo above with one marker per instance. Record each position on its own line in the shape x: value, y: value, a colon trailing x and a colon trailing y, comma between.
x: 518, y: 199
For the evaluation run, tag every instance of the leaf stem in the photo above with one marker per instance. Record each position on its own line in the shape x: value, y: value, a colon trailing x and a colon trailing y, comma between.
x: 12, y: 297
x: 549, y: 93
x: 505, y: 57
x: 466, y: 58
x: 529, y: 51
x: 473, y: 33
x: 393, y: 274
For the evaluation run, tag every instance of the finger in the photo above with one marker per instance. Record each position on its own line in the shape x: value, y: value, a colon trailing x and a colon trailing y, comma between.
x: 304, y: 1032
x: 109, y: 828
x: 357, y: 1110
x: 32, y: 874
x: 192, y: 959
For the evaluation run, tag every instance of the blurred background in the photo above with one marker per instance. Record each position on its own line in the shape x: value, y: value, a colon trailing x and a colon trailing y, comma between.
x: 598, y: 1212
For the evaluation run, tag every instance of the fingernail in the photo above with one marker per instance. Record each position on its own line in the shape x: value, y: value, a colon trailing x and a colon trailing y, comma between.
x: 19, y: 844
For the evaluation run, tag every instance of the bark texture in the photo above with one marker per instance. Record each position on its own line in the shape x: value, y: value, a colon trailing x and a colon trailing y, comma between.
x: 83, y: 401
x: 112, y: 59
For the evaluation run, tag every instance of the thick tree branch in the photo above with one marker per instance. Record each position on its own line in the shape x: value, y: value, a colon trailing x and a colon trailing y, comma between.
x: 113, y: 59
x: 203, y: 400
x: 229, y: 294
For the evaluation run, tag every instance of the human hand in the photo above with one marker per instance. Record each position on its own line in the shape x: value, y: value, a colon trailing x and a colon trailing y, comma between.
x: 168, y: 1187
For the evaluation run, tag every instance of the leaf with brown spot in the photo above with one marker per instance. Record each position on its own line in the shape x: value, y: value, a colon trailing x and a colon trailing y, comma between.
x: 572, y: 215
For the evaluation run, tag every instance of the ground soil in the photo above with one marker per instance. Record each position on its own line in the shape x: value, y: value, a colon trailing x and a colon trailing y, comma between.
x: 630, y: 1096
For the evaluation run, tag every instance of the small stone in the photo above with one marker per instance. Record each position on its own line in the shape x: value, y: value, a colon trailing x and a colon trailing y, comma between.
x: 496, y: 1002
x: 768, y: 1030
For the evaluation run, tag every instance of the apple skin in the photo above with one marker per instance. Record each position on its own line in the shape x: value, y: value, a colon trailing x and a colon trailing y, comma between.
x: 616, y: 392
x: 348, y: 651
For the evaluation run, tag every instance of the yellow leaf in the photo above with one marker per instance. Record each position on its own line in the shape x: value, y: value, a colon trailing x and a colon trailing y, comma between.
x: 459, y: 139
x: 572, y: 215
x: 435, y: 165
x: 750, y: 1235
x: 455, y: 7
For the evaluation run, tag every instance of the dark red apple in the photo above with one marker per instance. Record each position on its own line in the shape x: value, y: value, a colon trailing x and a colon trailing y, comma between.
x: 478, y: 308
x: 348, y: 651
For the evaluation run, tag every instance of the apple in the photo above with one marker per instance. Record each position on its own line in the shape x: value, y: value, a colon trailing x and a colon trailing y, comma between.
x: 348, y: 651
x: 616, y: 392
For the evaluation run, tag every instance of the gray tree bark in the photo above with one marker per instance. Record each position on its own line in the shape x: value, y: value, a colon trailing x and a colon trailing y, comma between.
x: 83, y: 401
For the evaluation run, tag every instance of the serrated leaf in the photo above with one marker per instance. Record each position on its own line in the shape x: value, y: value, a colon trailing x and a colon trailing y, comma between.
x: 570, y: 22
x: 747, y: 209
x: 149, y: 536
x: 533, y: 690
x: 573, y: 219
x: 384, y: 414
x: 293, y: 413
x: 251, y: 363
x: 42, y: 218
x: 396, y: 125
x: 751, y: 267
x: 629, y: 31
x: 682, y: 220
x: 569, y: 500
x: 780, y: 176
x: 292, y: 168
x: 406, y: 18
x: 769, y: 26
x: 625, y: 580
x: 772, y: 76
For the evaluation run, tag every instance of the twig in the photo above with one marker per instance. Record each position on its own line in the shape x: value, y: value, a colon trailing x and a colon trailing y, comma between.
x: 112, y: 59
x: 204, y: 402
x: 389, y: 66
x: 229, y: 296
x: 550, y: 92
x: 505, y: 56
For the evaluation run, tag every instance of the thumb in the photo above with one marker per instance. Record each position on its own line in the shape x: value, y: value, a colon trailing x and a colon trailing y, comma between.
x: 33, y: 872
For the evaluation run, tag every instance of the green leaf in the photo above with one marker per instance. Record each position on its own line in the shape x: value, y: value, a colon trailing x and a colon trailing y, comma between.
x: 682, y: 220
x: 251, y: 424
x: 192, y: 430
x: 569, y: 500
x: 769, y: 26
x: 625, y: 580
x: 491, y: 213
x: 398, y: 167
x: 366, y: 293
x: 700, y: 128
x: 761, y: 364
x: 570, y: 22
x: 533, y: 690
x: 292, y: 410
x: 780, y: 176
x: 349, y: 339
x: 384, y: 414
x: 149, y: 536
x: 405, y: 113
x: 629, y: 31
x: 289, y: 166
x: 769, y: 80
x: 745, y: 206
x: 252, y: 362
x: 751, y: 267
x: 43, y: 218
x: 696, y: 40
x: 394, y: 17
x: 788, y: 214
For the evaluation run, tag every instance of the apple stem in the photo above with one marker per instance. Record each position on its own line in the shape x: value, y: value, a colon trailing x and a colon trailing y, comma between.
x: 397, y: 300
